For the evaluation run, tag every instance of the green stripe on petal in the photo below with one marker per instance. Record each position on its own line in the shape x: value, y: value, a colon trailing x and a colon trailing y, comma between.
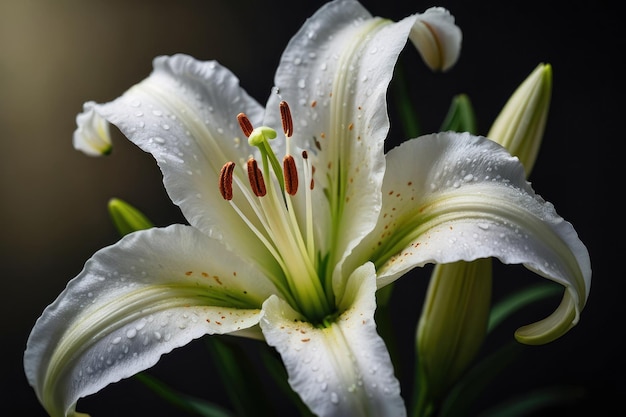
x: 151, y: 292
x: 342, y: 369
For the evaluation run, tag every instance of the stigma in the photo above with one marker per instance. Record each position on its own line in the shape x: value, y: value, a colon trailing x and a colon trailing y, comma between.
x: 259, y: 137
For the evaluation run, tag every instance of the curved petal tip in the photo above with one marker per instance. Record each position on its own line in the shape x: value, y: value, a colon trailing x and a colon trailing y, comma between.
x: 552, y: 327
x: 92, y: 136
x: 437, y: 38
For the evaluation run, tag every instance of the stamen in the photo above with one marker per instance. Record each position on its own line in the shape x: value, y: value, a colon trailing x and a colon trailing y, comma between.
x: 226, y: 180
x: 256, y: 178
x: 245, y: 124
x: 285, y: 116
x: 305, y: 156
x: 291, y: 175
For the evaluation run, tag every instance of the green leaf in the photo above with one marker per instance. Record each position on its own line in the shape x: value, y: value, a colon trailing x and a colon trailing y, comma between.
x: 240, y: 380
x: 279, y: 375
x: 473, y: 383
x: 127, y: 218
x: 407, y: 113
x: 524, y: 405
x: 187, y: 403
x: 520, y: 299
x: 460, y: 117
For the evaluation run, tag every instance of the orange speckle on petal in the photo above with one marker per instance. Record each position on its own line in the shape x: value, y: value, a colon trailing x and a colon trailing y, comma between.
x: 306, y: 340
x: 188, y: 273
x: 204, y: 274
x: 314, y: 103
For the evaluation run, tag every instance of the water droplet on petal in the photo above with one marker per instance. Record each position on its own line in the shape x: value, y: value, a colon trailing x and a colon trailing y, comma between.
x: 334, y: 398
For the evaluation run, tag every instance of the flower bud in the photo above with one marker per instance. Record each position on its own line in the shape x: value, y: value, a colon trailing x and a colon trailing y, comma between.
x: 127, y: 218
x: 453, y: 323
x: 520, y: 125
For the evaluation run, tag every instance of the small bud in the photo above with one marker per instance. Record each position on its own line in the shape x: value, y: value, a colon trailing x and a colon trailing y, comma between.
x: 520, y: 125
x: 92, y: 135
x: 127, y: 218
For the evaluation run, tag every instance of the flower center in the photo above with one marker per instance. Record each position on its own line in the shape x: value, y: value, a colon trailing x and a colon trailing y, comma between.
x: 270, y: 193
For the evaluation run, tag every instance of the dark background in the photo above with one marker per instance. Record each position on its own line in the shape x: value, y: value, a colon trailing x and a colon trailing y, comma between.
x: 54, y: 55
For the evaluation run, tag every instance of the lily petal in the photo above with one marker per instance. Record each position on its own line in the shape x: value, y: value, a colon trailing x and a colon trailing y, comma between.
x: 342, y: 369
x: 451, y: 197
x: 437, y: 38
x: 185, y: 115
x: 151, y: 292
x: 335, y: 73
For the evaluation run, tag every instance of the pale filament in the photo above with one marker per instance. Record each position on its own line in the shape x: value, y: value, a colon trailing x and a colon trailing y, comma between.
x: 280, y: 233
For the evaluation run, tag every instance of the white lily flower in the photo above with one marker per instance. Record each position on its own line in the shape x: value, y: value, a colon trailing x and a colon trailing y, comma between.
x: 292, y: 252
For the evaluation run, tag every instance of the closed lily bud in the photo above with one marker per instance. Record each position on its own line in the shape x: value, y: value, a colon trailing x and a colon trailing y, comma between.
x: 520, y: 125
x: 126, y: 218
x: 453, y: 323
x: 454, y: 319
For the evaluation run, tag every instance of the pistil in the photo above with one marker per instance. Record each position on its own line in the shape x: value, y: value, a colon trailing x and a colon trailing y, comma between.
x: 271, y: 188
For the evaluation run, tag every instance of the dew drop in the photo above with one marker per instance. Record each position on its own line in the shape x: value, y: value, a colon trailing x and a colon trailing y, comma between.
x: 130, y: 333
x: 157, y: 113
x: 334, y: 398
x: 159, y: 140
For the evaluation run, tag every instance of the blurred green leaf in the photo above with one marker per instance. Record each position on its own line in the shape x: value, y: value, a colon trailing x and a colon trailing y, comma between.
x: 240, y: 378
x: 461, y: 116
x: 279, y: 375
x: 473, y: 383
x: 524, y: 405
x: 187, y: 403
x: 406, y: 110
x: 520, y: 299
